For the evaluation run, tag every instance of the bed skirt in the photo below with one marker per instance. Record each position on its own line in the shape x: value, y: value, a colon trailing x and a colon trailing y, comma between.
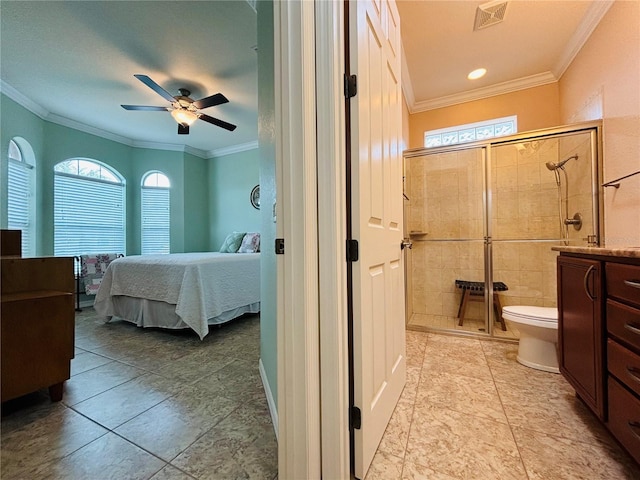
x: 152, y: 313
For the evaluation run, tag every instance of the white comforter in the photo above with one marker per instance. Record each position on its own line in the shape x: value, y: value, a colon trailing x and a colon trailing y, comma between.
x: 200, y: 285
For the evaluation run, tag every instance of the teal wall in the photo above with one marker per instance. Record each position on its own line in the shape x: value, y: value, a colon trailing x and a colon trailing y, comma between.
x: 193, y: 179
x: 267, y: 142
x: 230, y: 207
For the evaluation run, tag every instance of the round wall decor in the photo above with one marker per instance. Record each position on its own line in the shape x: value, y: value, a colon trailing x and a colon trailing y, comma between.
x: 255, y: 197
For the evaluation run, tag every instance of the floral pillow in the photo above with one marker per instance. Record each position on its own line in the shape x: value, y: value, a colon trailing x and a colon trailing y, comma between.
x: 232, y: 242
x: 250, y: 243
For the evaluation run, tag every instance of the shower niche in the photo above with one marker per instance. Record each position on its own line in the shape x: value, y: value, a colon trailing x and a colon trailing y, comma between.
x: 483, y: 218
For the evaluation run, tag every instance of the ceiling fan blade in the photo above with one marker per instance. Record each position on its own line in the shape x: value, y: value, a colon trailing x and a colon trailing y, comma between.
x: 155, y: 87
x: 212, y: 101
x: 183, y: 129
x: 145, y: 108
x: 217, y: 122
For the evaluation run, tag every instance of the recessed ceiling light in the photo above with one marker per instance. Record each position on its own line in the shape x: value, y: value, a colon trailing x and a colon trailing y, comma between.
x: 477, y: 73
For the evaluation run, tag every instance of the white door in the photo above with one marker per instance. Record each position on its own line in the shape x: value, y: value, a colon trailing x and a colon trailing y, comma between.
x: 378, y: 275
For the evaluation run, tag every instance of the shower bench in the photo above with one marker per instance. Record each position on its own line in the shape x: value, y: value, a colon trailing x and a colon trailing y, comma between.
x: 474, y: 292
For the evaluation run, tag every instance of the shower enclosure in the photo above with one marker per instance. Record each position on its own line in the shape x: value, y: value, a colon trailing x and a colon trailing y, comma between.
x: 483, y: 218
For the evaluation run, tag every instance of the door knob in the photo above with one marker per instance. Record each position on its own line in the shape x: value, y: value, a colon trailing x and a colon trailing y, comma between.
x: 405, y: 243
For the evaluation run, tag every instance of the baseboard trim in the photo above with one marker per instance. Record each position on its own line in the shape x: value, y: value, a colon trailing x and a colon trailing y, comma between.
x: 273, y: 410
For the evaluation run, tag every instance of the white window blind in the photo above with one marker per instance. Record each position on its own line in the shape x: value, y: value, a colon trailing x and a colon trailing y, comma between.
x: 155, y: 220
x: 89, y: 215
x: 19, y: 204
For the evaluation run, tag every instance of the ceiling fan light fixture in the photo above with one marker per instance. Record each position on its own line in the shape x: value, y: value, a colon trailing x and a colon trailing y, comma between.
x: 184, y: 116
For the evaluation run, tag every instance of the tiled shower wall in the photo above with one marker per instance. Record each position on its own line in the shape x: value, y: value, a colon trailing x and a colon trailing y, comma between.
x: 445, y: 193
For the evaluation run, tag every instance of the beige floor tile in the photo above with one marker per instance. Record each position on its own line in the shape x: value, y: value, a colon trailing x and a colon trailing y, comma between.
x: 394, y: 440
x: 549, y: 457
x: 464, y: 394
x: 555, y: 411
x: 385, y: 467
x: 463, y: 445
x: 459, y: 362
x: 171, y: 473
x: 414, y: 471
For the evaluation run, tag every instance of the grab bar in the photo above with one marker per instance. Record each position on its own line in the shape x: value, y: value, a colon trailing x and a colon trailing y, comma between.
x: 616, y: 183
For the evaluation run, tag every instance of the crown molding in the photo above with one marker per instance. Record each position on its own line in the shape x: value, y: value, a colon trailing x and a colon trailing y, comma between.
x: 592, y: 18
x: 243, y: 147
x: 83, y: 127
x: 23, y: 101
x: 484, y: 92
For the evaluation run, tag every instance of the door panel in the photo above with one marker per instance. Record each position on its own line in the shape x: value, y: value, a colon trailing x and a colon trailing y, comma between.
x: 377, y: 216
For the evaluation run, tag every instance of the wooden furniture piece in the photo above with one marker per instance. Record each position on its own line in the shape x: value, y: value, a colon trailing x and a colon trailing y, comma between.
x: 37, y: 325
x: 10, y: 243
x: 474, y: 292
x: 599, y: 335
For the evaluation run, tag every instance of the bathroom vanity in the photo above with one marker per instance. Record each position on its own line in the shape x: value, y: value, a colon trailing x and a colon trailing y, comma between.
x: 599, y: 334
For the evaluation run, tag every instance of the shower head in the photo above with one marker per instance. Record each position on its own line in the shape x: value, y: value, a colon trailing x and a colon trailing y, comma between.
x: 555, y: 166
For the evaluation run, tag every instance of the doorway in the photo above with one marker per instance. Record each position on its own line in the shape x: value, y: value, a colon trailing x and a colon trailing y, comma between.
x: 483, y: 219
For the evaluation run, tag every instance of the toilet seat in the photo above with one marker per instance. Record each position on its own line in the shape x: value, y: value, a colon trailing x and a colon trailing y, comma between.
x: 545, y: 317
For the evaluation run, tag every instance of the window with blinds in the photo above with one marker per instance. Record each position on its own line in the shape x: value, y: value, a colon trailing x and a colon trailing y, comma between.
x: 155, y: 213
x: 20, y: 204
x: 89, y: 209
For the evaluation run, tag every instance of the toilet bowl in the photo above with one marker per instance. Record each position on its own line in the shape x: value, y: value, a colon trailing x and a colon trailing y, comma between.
x: 538, y: 327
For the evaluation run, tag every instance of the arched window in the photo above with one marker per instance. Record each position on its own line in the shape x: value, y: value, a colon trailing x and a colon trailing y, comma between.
x: 89, y: 208
x: 155, y: 213
x: 21, y: 210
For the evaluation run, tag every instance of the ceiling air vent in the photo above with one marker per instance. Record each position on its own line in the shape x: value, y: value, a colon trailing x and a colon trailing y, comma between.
x: 489, y: 14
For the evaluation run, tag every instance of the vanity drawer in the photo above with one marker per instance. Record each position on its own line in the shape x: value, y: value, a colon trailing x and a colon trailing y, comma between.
x: 624, y: 365
x: 623, y: 322
x: 624, y: 417
x: 623, y: 282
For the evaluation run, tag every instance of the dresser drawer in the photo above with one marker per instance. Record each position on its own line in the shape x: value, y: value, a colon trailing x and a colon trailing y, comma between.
x: 624, y: 417
x: 624, y: 365
x: 623, y: 322
x: 623, y: 282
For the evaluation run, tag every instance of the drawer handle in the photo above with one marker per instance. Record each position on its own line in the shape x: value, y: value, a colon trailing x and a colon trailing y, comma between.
x: 633, y: 373
x: 632, y: 328
x: 632, y: 283
x: 633, y: 426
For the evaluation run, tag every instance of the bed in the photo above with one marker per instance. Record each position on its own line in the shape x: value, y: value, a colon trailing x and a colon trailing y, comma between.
x: 181, y: 290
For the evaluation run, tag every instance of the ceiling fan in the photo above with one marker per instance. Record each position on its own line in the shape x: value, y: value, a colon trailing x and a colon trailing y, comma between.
x: 183, y: 108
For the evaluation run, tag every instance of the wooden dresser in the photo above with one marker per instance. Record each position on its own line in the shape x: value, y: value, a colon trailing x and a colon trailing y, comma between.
x: 599, y: 335
x: 37, y: 324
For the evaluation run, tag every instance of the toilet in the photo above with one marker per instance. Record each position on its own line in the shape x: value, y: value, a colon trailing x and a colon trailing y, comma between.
x: 538, y: 327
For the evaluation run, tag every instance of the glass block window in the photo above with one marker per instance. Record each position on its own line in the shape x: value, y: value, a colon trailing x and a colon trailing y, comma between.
x: 89, y: 208
x: 498, y: 127
x: 155, y: 213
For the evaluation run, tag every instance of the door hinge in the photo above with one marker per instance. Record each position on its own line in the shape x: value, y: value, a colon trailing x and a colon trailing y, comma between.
x: 350, y: 86
x: 356, y: 418
x: 352, y: 250
x: 279, y: 246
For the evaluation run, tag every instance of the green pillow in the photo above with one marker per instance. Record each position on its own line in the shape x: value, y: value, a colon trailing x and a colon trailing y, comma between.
x: 232, y: 243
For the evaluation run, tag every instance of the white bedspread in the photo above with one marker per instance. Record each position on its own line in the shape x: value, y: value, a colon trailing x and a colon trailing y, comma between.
x: 200, y: 285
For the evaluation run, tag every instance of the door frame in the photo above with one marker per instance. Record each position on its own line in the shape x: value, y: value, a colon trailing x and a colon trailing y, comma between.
x: 313, y: 428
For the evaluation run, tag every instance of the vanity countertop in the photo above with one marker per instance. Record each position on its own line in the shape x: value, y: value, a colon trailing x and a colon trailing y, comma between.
x: 626, y: 252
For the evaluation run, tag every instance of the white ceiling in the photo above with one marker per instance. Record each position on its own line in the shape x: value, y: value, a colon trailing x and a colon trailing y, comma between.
x: 73, y: 62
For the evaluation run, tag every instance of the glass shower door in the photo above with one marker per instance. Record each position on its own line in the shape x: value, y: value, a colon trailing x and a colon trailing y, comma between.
x: 446, y: 222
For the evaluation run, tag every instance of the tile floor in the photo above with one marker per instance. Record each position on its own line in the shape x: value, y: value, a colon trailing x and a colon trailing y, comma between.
x: 147, y: 404
x: 470, y: 411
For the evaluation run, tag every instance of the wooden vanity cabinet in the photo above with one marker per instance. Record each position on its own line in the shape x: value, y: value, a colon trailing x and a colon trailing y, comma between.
x: 581, y: 330
x: 599, y: 325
